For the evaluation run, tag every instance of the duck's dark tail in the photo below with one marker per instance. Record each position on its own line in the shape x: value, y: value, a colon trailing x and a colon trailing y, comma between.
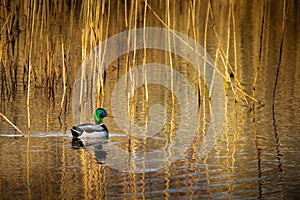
x: 76, y: 131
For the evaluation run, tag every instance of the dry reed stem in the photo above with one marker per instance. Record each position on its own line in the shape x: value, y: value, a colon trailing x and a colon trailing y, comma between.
x: 223, y: 55
x: 260, y: 53
x: 145, y: 55
x: 132, y: 81
x: 238, y: 86
x: 64, y: 78
x: 29, y: 60
x: 193, y: 15
x: 132, y: 18
x: 127, y: 67
x: 227, y: 63
x: 188, y: 24
x: 106, y: 37
x: 130, y: 93
x: 170, y: 52
x: 125, y: 13
x: 176, y: 60
x: 284, y: 14
x: 156, y: 15
x: 83, y: 55
x: 234, y: 39
x: 4, y: 117
x: 234, y: 45
x: 228, y: 44
x: 146, y: 103
x: 134, y: 49
x: 204, y: 43
x: 99, y: 22
x: 6, y: 22
x: 1, y: 46
x: 211, y: 86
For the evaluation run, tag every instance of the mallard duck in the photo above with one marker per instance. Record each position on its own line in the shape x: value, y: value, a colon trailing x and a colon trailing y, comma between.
x: 97, y: 130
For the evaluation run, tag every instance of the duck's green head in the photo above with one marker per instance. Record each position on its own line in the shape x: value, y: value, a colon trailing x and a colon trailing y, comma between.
x: 100, y: 113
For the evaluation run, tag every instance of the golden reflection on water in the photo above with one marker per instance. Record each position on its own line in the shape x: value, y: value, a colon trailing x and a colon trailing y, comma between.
x: 252, y: 159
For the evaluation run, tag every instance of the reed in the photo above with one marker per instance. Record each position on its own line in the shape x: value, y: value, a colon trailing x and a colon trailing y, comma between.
x: 30, y: 26
x: 284, y: 14
x: 228, y: 48
x: 133, y: 19
x: 234, y: 39
x: 205, y: 43
x: 145, y: 54
x: 193, y: 16
x: 169, y: 47
x: 225, y: 61
x: 102, y: 60
x: 64, y: 79
x: 35, y: 24
x: 12, y: 124
x: 260, y: 53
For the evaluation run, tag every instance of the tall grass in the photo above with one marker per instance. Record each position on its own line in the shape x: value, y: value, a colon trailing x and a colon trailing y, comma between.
x: 46, y: 32
x: 38, y: 41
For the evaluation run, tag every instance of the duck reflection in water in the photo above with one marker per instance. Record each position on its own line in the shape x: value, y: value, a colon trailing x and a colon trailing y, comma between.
x: 93, y: 146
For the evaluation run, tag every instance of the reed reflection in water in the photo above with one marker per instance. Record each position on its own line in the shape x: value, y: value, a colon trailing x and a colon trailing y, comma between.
x: 257, y: 155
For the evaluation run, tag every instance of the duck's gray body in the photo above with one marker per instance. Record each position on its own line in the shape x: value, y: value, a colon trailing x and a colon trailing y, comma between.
x: 90, y: 131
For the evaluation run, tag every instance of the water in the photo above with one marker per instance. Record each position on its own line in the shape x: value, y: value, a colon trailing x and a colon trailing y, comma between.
x: 252, y: 158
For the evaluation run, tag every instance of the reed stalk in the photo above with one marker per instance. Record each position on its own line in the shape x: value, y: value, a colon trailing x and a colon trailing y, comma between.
x: 237, y: 86
x: 130, y: 93
x: 134, y: 16
x: 211, y: 85
x: 125, y: 13
x: 170, y: 50
x: 156, y: 15
x: 145, y: 54
x: 127, y: 62
x: 134, y: 43
x: 7, y: 26
x: 260, y: 53
x: 284, y: 14
x: 1, y: 47
x: 188, y: 24
x: 64, y: 78
x: 106, y: 37
x: 15, y: 127
x: 31, y: 26
x: 234, y: 40
x: 193, y: 15
x: 83, y: 56
x: 132, y: 19
x: 204, y: 43
x: 97, y: 29
x: 227, y: 50
x: 102, y: 54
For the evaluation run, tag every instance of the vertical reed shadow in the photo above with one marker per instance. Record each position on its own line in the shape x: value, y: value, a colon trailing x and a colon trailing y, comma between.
x: 276, y: 136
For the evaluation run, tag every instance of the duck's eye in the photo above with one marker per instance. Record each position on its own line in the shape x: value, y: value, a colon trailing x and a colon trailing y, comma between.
x: 102, y: 113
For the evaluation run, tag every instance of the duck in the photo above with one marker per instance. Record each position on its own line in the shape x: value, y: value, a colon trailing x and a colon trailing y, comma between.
x: 89, y: 130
